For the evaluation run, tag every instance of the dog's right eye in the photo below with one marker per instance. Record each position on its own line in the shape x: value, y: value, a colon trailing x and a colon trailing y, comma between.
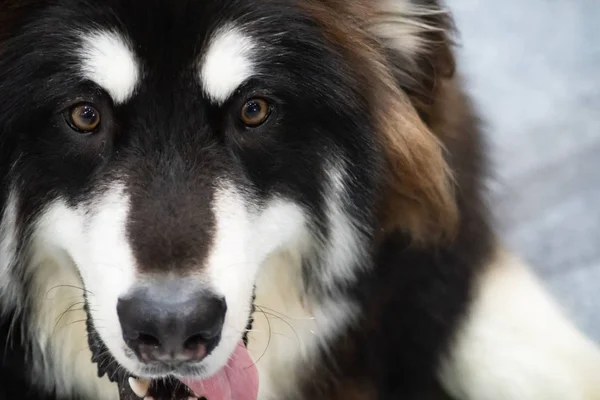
x: 255, y: 112
x: 83, y: 118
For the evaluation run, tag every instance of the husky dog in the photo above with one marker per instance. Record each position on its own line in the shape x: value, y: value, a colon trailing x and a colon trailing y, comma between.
x: 274, y: 200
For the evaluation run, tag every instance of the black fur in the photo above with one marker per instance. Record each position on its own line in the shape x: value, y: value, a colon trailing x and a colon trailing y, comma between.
x: 172, y: 144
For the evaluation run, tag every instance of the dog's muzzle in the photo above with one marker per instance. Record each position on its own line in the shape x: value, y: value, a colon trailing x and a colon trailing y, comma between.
x: 169, y: 343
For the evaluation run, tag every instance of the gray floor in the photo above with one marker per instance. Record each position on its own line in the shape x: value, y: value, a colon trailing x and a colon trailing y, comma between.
x: 534, y: 69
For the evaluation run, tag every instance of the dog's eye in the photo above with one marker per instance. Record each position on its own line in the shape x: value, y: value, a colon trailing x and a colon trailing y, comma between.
x: 83, y: 118
x: 255, y: 112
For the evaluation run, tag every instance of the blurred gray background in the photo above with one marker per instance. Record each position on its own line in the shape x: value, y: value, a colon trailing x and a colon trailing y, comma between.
x: 534, y: 69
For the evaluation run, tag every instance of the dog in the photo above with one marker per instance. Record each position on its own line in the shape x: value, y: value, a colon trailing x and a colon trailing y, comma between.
x: 234, y: 199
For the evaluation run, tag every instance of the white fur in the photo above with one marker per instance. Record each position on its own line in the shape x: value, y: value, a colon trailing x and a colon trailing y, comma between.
x: 109, y: 61
x: 344, y: 250
x: 9, y: 291
x: 276, y: 346
x: 91, y: 238
x: 289, y: 324
x: 288, y: 328
x: 231, y: 271
x: 517, y: 345
x: 227, y: 63
x: 398, y: 27
x: 90, y: 241
x: 108, y: 267
x: 244, y: 237
x: 266, y: 246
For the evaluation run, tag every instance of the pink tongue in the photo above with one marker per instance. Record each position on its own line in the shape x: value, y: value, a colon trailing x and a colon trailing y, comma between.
x: 238, y: 380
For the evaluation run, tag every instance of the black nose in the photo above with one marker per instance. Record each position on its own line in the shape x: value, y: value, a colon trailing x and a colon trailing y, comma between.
x: 163, y: 323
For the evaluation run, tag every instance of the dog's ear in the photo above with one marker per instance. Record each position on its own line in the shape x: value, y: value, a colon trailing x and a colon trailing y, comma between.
x: 417, y: 36
x: 415, y: 39
x: 418, y: 190
x: 397, y: 49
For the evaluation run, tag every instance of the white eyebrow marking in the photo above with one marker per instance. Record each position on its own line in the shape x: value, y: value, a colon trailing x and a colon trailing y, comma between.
x: 227, y: 63
x: 107, y: 60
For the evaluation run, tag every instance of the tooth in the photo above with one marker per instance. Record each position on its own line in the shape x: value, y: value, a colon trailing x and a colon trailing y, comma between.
x: 148, y: 398
x: 192, y: 398
x: 139, y: 386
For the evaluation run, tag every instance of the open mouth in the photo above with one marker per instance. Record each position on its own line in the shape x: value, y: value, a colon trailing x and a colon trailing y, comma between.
x: 237, y: 380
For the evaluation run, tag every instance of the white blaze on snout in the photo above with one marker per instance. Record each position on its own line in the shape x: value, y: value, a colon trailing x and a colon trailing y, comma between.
x: 227, y: 63
x: 108, y: 60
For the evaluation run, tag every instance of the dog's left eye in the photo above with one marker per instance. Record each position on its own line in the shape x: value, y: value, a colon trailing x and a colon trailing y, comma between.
x: 255, y: 112
x: 83, y: 118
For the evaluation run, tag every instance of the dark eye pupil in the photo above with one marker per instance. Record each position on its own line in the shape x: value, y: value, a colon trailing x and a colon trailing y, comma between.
x: 253, y: 109
x: 254, y: 112
x: 88, y: 115
x: 83, y: 118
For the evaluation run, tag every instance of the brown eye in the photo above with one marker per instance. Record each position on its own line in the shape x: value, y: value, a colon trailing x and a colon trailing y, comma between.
x: 255, y: 112
x: 83, y: 118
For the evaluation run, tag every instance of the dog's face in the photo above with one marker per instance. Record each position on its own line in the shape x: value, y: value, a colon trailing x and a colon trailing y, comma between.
x: 166, y: 150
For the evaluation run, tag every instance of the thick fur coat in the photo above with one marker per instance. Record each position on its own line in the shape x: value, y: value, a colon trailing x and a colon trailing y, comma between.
x: 310, y: 173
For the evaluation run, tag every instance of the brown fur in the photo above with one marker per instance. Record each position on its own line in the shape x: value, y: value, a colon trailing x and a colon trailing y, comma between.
x: 422, y: 118
x: 435, y: 165
x: 418, y: 194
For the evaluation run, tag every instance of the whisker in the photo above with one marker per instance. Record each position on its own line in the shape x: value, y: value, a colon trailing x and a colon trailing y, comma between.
x: 68, y: 286
x: 287, y: 316
x: 65, y: 312
x: 284, y: 321
x: 268, y: 340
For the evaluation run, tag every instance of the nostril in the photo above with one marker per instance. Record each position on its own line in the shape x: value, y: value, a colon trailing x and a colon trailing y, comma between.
x: 203, y: 339
x: 195, y: 347
x: 148, y: 347
x: 162, y: 325
x: 193, y: 342
x: 148, y: 340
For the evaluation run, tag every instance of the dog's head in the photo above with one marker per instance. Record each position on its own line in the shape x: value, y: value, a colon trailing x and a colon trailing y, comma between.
x: 165, y: 150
